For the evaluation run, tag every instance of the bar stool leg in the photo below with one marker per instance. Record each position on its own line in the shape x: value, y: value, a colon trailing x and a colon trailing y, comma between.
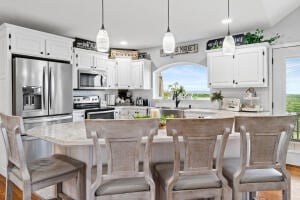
x: 8, y: 192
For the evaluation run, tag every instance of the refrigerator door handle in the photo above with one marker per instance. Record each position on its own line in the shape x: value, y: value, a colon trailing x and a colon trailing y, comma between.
x: 51, y: 87
x: 44, y: 87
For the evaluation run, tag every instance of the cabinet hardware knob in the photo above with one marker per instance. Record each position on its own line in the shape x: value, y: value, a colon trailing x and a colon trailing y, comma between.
x: 48, y: 54
x: 236, y: 83
x: 42, y: 52
x: 233, y: 81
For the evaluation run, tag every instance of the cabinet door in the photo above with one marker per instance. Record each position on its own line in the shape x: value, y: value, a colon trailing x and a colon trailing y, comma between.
x: 84, y: 59
x: 27, y: 43
x: 220, y: 70
x: 100, y: 61
x: 59, y: 49
x: 111, y: 74
x: 78, y: 115
x: 137, y: 74
x: 124, y: 73
x: 249, y: 67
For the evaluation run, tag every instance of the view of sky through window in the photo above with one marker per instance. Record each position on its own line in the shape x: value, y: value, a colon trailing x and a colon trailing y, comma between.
x: 193, y: 78
x: 292, y: 85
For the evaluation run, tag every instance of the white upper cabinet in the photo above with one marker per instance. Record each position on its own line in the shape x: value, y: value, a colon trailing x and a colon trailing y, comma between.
x: 27, y: 43
x: 123, y: 73
x: 137, y: 74
x: 83, y: 58
x: 250, y: 67
x: 58, y: 49
x: 111, y: 74
x: 100, y: 61
x: 89, y: 59
x: 30, y: 42
x: 220, y: 70
x: 247, y: 68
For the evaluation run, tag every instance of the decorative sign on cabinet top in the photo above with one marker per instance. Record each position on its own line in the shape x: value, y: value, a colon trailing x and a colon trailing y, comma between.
x: 182, y: 49
x: 85, y: 44
x: 217, y: 43
x: 124, y: 52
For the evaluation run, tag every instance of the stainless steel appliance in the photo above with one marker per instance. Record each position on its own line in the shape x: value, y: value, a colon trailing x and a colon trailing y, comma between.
x: 91, y: 105
x: 110, y: 99
x: 42, y: 92
x: 92, y: 79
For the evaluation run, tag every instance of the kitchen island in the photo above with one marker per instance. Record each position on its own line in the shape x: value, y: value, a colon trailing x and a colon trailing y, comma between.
x: 70, y: 139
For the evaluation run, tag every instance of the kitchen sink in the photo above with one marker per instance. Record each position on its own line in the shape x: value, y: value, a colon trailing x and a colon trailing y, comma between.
x: 178, y: 113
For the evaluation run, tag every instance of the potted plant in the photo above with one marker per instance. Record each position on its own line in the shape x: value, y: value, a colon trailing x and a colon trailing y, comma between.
x: 176, y: 90
x: 217, y: 96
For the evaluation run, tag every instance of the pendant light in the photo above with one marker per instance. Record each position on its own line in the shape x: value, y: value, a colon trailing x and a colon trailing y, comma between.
x: 228, y: 43
x: 102, y: 37
x: 169, y: 39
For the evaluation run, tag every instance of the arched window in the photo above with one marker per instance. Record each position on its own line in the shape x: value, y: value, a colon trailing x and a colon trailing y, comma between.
x: 192, y: 77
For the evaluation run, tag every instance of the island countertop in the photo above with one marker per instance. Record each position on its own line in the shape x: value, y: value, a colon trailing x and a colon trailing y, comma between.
x: 74, y: 133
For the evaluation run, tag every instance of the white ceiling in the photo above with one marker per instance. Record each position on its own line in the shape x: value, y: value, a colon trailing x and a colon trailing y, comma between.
x: 143, y: 22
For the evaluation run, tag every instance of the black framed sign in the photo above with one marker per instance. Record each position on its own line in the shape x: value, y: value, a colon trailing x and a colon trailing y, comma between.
x: 85, y: 44
x: 217, y: 43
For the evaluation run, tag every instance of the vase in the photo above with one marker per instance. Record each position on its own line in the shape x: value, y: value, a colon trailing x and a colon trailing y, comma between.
x: 220, y: 104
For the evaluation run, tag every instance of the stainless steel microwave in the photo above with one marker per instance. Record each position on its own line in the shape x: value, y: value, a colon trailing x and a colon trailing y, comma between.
x: 92, y: 79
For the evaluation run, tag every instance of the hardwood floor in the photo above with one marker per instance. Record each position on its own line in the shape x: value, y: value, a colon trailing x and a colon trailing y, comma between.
x: 294, y: 171
x: 17, y: 193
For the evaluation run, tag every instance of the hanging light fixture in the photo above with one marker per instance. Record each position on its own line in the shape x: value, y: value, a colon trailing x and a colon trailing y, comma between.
x: 102, y: 36
x: 228, y: 43
x: 169, y: 39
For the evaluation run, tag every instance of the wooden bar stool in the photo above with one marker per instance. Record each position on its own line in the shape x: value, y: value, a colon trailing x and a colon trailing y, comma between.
x: 196, y: 178
x: 40, y: 173
x: 261, y: 166
x: 123, y: 178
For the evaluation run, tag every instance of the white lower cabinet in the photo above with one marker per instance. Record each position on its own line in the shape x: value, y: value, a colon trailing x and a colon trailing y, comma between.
x: 78, y: 115
x: 248, y: 67
x: 129, y: 112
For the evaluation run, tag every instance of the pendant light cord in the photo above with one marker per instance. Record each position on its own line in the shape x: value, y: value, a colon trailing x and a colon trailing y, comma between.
x: 228, y: 16
x: 102, y: 27
x: 168, y: 16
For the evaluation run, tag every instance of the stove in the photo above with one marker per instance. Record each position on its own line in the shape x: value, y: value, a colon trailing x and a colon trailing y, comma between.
x: 93, y: 110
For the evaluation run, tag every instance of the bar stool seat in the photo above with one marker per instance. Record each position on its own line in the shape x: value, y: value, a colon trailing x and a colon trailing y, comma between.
x: 186, y: 182
x: 50, y: 168
x: 231, y: 166
x: 124, y: 185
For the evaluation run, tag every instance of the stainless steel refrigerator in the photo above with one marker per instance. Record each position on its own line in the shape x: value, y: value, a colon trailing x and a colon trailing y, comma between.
x: 42, y: 94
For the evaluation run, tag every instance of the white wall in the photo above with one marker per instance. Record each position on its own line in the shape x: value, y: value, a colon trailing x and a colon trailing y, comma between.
x: 288, y: 28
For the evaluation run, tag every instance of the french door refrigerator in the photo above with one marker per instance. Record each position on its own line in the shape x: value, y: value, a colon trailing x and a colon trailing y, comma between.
x: 42, y: 95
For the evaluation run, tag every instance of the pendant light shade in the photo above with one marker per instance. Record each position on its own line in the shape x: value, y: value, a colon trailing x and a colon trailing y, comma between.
x: 102, y: 41
x: 102, y: 36
x: 169, y: 43
x: 169, y: 39
x: 228, y: 43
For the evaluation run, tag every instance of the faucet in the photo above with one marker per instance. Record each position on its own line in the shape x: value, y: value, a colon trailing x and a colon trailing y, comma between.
x: 177, y: 101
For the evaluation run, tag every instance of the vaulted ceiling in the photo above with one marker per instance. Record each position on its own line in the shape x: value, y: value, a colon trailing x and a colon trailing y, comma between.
x: 142, y: 23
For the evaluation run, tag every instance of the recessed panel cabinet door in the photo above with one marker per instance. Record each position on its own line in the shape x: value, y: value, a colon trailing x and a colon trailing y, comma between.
x: 83, y: 59
x: 124, y: 73
x: 27, y: 43
x: 249, y: 67
x: 58, y: 49
x: 111, y: 74
x: 220, y: 70
x: 137, y: 74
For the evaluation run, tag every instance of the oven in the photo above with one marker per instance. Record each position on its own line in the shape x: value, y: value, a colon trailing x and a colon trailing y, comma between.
x: 101, y: 113
x: 92, y: 79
